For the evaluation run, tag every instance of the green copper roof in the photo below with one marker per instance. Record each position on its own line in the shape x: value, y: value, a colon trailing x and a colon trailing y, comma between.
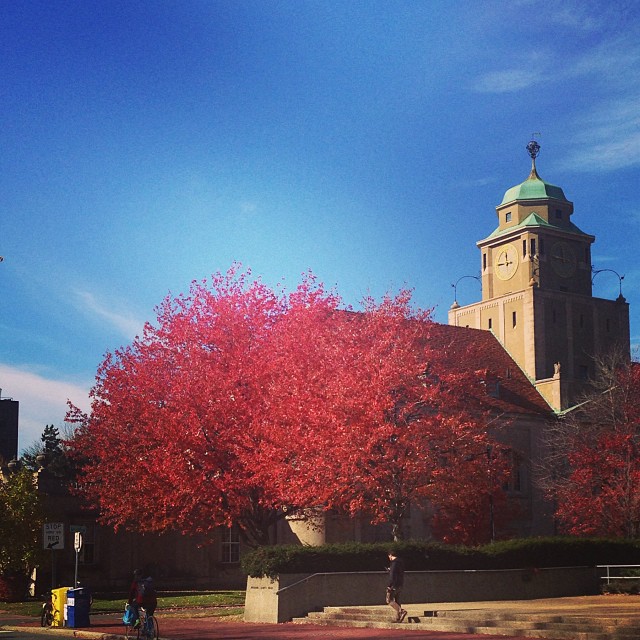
x: 534, y: 220
x: 533, y: 189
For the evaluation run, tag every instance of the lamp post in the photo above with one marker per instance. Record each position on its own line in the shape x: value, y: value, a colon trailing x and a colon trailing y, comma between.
x: 595, y: 272
x: 492, y: 524
x: 455, y: 304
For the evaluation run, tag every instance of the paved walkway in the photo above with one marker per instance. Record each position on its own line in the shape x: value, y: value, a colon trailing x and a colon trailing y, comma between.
x: 107, y: 628
x: 172, y: 627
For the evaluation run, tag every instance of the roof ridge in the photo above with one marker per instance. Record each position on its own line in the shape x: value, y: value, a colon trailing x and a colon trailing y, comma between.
x: 521, y: 394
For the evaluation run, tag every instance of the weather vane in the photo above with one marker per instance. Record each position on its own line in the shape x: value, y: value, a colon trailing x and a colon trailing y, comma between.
x: 533, y: 147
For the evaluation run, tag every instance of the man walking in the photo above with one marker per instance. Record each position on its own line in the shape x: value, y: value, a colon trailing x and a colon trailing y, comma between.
x: 396, y: 581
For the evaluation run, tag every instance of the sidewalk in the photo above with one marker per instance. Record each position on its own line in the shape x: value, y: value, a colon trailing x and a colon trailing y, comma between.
x: 187, y: 626
x: 105, y: 627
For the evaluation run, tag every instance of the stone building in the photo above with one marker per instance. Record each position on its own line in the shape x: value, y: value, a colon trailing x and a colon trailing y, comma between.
x: 537, y: 330
x: 537, y: 292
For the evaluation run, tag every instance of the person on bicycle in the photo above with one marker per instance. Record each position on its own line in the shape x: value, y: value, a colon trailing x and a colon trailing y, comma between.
x: 142, y: 594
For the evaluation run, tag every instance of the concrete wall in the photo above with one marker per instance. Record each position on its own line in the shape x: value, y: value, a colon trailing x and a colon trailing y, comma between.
x: 294, y: 595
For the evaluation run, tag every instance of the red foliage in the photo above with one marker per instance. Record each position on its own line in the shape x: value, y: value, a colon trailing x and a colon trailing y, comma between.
x: 601, y: 493
x: 474, y: 509
x: 173, y: 416
x: 241, y: 404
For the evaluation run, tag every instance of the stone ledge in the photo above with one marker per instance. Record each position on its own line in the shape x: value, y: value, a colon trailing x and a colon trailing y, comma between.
x: 295, y: 595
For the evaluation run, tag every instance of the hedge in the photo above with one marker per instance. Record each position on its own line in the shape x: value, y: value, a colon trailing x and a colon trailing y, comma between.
x: 423, y: 556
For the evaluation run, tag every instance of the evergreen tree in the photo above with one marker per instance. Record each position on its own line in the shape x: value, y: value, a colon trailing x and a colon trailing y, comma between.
x: 53, y: 448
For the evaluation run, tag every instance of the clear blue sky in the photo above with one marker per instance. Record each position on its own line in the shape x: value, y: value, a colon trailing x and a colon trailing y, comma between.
x: 148, y: 144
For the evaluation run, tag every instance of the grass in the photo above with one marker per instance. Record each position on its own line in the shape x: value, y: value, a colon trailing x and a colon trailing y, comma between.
x: 216, y: 603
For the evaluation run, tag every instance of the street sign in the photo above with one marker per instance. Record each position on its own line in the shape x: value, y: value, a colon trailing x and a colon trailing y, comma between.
x: 53, y: 535
x: 77, y: 541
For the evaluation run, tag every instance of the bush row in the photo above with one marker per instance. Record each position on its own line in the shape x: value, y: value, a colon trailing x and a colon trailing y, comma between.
x: 425, y: 556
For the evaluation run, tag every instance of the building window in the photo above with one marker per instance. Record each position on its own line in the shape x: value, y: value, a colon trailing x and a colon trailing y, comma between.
x: 533, y: 246
x: 541, y: 246
x: 507, y: 216
x: 492, y: 387
x: 230, y: 545
x: 559, y: 214
x: 513, y: 319
x: 524, y: 248
x: 490, y: 323
x: 484, y: 261
x: 516, y: 481
x: 584, y: 372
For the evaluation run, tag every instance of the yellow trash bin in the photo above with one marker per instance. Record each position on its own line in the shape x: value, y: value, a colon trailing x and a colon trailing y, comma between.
x: 59, y: 600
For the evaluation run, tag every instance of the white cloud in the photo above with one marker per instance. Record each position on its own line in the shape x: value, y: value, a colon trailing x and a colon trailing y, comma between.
x: 605, y: 135
x: 584, y: 16
x: 609, y: 136
x: 507, y: 81
x: 42, y: 400
x: 124, y: 322
x: 248, y: 208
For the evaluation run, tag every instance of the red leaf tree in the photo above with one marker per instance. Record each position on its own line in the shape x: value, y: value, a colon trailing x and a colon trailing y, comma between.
x: 242, y: 404
x: 173, y: 415
x: 594, y: 473
x: 402, y: 420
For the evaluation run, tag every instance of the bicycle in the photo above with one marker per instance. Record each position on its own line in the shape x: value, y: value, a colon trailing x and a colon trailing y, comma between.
x: 49, y: 611
x: 147, y: 627
x: 46, y: 617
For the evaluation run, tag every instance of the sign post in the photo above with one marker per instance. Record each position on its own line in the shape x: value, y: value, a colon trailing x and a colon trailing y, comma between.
x: 77, y: 545
x: 53, y: 538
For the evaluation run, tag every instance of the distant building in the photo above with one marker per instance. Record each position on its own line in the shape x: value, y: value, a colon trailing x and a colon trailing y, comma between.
x: 8, y: 429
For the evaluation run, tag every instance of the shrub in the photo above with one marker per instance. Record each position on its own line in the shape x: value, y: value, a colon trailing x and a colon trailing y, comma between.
x: 424, y: 556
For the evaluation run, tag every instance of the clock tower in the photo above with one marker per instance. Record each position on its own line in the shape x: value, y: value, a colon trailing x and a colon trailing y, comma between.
x: 537, y: 294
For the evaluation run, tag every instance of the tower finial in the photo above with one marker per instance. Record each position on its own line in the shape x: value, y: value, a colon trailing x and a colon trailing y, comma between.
x: 533, y: 149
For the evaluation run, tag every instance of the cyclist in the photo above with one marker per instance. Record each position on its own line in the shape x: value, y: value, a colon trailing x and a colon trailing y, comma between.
x: 142, y: 594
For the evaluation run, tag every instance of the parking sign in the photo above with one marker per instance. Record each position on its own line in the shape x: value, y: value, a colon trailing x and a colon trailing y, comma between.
x: 53, y: 537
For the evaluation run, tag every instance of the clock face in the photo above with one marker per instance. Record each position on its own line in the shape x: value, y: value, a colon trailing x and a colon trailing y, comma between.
x: 563, y: 259
x: 506, y: 262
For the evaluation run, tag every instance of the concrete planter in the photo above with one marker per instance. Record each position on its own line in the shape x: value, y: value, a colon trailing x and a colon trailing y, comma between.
x: 294, y: 595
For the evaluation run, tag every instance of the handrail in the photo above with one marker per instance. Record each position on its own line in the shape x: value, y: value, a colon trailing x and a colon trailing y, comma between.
x: 608, y: 577
x: 324, y: 573
x: 344, y: 573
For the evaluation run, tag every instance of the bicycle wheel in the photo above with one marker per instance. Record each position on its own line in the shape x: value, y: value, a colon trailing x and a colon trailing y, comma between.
x: 47, y: 616
x: 153, y: 628
x: 132, y: 632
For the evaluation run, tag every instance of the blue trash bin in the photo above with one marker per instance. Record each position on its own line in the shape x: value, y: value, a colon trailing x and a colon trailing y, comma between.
x: 78, y: 605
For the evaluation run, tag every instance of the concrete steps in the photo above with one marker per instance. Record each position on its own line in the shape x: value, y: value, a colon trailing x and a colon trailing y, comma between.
x: 548, y: 626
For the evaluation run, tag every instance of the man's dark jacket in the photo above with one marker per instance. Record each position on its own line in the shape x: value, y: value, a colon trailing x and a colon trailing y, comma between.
x: 396, y: 573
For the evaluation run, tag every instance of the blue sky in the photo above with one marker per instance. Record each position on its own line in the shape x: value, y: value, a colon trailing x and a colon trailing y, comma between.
x: 148, y: 144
